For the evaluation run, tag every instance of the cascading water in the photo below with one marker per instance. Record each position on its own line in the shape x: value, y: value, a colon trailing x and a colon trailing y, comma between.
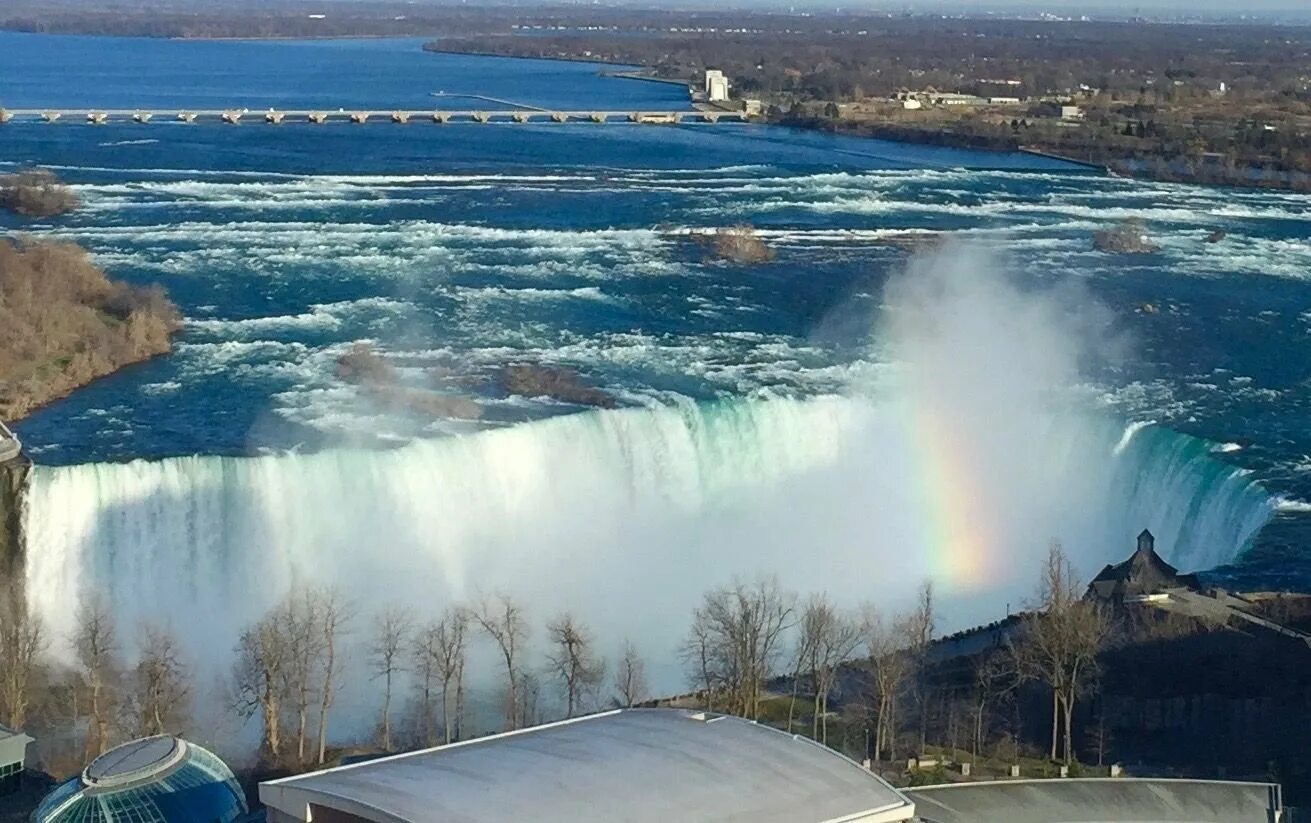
x: 962, y: 462
x: 624, y: 517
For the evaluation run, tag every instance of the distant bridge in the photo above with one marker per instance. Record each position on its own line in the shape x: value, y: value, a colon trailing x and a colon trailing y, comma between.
x: 99, y: 117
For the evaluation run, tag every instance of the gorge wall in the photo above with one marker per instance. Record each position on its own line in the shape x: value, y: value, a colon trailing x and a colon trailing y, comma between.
x: 13, y: 483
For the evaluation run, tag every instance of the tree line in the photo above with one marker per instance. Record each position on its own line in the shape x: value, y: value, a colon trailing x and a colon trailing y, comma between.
x: 747, y: 641
x: 753, y: 649
x: 288, y: 668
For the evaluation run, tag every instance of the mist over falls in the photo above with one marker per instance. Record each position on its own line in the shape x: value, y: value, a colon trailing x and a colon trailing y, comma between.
x: 961, y: 460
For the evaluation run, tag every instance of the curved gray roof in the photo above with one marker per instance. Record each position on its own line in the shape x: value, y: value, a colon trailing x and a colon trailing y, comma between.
x: 657, y: 765
x: 1098, y: 800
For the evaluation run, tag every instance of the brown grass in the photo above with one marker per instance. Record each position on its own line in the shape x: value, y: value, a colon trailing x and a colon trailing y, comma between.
x: 36, y: 193
x: 63, y: 323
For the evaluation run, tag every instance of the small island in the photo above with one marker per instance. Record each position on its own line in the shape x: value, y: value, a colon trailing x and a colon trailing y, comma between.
x: 64, y: 323
x: 36, y: 193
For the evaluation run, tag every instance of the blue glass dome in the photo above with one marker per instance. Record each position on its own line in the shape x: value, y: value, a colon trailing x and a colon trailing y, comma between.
x: 153, y: 780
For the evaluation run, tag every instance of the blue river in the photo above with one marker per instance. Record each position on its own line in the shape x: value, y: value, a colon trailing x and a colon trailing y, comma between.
x: 458, y: 249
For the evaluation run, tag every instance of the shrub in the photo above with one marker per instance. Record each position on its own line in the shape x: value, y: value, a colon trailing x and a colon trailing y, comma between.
x: 741, y: 244
x: 63, y: 323
x: 36, y: 193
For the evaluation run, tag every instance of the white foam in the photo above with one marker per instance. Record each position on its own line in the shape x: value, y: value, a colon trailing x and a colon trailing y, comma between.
x: 1128, y: 435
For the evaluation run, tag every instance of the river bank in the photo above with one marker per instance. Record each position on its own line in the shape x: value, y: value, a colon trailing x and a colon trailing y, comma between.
x: 1148, y: 167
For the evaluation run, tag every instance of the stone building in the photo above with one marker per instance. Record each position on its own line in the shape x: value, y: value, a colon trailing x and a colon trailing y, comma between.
x: 1143, y: 575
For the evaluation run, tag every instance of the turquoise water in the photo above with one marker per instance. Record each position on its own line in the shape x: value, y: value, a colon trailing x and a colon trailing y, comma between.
x: 458, y: 249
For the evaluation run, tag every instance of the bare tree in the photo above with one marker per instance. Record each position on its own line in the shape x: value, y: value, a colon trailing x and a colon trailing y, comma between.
x: 630, y: 677
x: 699, y: 656
x: 889, y: 668
x: 803, y: 659
x: 299, y: 619
x: 920, y: 626
x: 162, y: 685
x: 391, y: 637
x: 736, y: 638
x: 426, y: 654
x: 263, y: 654
x: 574, y: 661
x: 333, y: 616
x: 1058, y: 644
x: 502, y: 619
x: 835, y: 638
x: 530, y: 693
x: 994, y: 678
x: 95, y: 642
x: 440, y: 652
x: 22, y: 642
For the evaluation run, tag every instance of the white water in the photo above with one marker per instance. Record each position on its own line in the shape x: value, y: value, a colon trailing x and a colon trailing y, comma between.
x: 961, y: 463
x: 624, y: 517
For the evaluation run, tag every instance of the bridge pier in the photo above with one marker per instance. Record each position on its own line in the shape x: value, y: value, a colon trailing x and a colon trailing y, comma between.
x: 401, y: 117
x: 232, y: 117
x: 360, y: 117
x: 96, y: 118
x: 51, y: 116
x: 142, y: 117
x: 318, y: 117
x: 559, y: 117
x: 710, y: 117
x: 481, y: 117
x: 598, y: 117
x: 520, y: 117
x: 187, y: 116
x: 274, y: 117
x: 440, y: 117
x: 5, y: 116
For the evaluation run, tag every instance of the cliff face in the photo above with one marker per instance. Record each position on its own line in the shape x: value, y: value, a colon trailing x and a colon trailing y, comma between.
x: 13, y: 481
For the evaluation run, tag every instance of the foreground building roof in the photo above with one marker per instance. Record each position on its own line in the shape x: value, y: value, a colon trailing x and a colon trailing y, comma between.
x: 637, y: 765
x: 1099, y: 800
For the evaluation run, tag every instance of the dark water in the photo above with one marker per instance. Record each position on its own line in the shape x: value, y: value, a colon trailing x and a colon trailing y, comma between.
x: 458, y: 249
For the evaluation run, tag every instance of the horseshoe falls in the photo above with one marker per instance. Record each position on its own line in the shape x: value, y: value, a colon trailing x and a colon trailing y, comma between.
x: 838, y: 416
x: 627, y: 516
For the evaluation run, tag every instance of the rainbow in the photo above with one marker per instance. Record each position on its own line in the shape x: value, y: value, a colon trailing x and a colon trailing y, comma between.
x: 959, y: 537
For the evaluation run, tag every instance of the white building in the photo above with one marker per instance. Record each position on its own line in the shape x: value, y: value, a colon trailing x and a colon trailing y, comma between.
x: 634, y: 765
x: 1071, y: 112
x: 911, y: 104
x: 716, y: 86
x: 952, y: 99
x: 13, y: 751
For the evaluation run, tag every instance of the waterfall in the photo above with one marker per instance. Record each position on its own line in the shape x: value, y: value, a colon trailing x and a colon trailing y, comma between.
x: 624, y: 517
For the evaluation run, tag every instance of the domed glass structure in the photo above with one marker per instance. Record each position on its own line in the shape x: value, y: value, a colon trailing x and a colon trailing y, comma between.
x: 153, y: 780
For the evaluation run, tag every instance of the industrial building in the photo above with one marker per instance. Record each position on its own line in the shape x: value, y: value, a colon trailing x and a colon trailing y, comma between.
x: 13, y: 752
x: 153, y: 780
x: 636, y: 765
x: 716, y: 86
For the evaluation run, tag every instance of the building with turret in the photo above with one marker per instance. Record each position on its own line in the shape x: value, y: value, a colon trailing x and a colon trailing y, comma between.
x: 1142, y: 576
x: 13, y: 751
